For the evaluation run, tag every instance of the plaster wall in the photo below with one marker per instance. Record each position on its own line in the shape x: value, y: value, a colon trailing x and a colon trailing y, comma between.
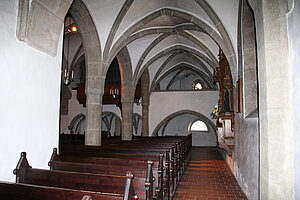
x: 206, y: 40
x: 30, y: 84
x: 294, y: 40
x: 246, y: 155
x: 137, y: 48
x: 165, y: 81
x: 245, y: 160
x: 104, y: 14
x: 180, y: 126
x: 112, y: 108
x: 183, y: 83
x: 154, y: 67
x: 161, y: 104
x: 137, y: 109
x: 227, y: 11
x: 74, y: 109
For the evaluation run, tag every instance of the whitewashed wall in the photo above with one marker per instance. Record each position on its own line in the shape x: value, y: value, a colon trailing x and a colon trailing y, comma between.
x: 163, y: 104
x: 294, y: 30
x: 180, y: 126
x: 30, y: 88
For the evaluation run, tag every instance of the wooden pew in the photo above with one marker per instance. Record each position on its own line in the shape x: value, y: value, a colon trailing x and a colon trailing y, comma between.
x: 167, y: 179
x: 174, y: 149
x: 113, y: 167
x: 19, y: 191
x: 118, y: 185
x: 173, y: 166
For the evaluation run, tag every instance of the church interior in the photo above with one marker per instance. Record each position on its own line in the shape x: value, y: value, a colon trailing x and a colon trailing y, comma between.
x: 131, y: 83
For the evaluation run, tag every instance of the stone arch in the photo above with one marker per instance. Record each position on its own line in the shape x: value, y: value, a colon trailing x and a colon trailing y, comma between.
x: 127, y: 93
x: 111, y: 113
x: 222, y: 40
x: 170, y: 58
x: 136, y: 122
x: 125, y: 68
x: 179, y: 30
x: 77, y: 57
x: 76, y: 66
x: 109, y: 123
x: 206, y: 79
x: 227, y: 47
x: 76, y: 121
x: 186, y: 35
x: 94, y: 77
x: 168, y: 118
x: 171, y: 50
x: 115, y: 27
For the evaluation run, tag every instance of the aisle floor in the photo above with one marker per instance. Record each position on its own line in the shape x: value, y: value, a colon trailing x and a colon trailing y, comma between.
x: 208, y: 177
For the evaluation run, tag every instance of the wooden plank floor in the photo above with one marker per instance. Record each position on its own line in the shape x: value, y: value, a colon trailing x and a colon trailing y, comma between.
x: 208, y: 177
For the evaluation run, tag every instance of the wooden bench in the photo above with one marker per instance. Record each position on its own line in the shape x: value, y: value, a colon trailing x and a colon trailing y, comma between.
x: 174, y: 149
x: 171, y: 160
x: 167, y: 177
x: 117, y: 185
x: 19, y: 191
x: 112, y: 166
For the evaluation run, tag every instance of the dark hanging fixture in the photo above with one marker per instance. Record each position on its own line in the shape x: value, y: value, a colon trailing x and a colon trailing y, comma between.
x: 114, y: 90
x: 68, y: 75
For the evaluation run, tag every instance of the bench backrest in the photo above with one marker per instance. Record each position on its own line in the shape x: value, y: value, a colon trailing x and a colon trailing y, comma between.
x: 18, y: 191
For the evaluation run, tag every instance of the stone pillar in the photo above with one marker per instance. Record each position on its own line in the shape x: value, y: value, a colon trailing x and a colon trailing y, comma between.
x: 127, y: 110
x: 127, y: 120
x: 117, y: 127
x: 145, y: 103
x: 145, y: 119
x: 94, y: 93
x: 275, y: 107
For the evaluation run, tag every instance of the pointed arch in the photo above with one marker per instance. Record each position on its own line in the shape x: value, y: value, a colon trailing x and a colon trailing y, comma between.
x: 181, y: 112
x: 208, y: 81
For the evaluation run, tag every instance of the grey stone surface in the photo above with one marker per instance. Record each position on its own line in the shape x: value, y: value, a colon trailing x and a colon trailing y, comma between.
x: 145, y: 103
x: 93, y: 137
x: 94, y: 92
x: 249, y: 61
x: 271, y: 27
x: 58, y: 7
x: 127, y: 122
x: 23, y: 10
x: 43, y: 36
x: 246, y: 155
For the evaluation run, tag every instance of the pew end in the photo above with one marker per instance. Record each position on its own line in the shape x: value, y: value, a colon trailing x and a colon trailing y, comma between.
x: 129, y: 193
x: 54, y: 157
x: 20, y: 168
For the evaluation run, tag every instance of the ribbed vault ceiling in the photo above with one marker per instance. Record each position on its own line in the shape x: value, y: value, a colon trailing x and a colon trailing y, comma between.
x: 163, y: 34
